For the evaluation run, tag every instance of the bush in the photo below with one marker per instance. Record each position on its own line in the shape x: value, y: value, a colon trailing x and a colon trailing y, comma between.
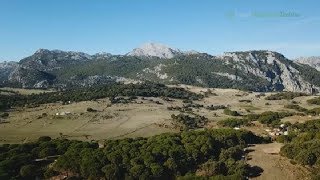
x: 212, y: 107
x: 230, y: 112
x: 315, y: 101
x: 44, y: 138
x: 314, y: 111
x: 272, y: 118
x: 306, y: 158
x: 233, y: 122
x: 91, y: 110
x: 28, y: 171
x: 285, y: 95
x: 296, y: 107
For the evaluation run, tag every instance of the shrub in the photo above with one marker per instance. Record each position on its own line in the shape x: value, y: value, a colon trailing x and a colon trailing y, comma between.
x: 230, y: 112
x: 285, y: 95
x: 296, y: 107
x: 44, y: 138
x: 28, y: 171
x: 233, y: 122
x: 91, y: 110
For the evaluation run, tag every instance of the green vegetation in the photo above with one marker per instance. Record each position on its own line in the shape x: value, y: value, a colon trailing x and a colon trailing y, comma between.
x: 315, y: 101
x: 314, y: 111
x: 269, y: 118
x: 187, y: 122
x: 233, y: 122
x: 272, y: 118
x: 93, y: 93
x: 29, y: 160
x: 285, y: 95
x: 213, y: 108
x: 230, y: 112
x: 303, y: 145
x: 214, y: 153
x: 296, y: 107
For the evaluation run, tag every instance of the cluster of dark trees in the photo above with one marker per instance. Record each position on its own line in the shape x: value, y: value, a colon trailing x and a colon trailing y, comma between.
x: 285, y: 95
x: 124, y: 100
x: 216, y: 107
x: 272, y: 118
x: 269, y: 118
x: 303, y: 145
x: 229, y: 112
x: 215, y: 153
x: 146, y: 89
x: 233, y: 122
x: 30, y: 160
x: 187, y: 122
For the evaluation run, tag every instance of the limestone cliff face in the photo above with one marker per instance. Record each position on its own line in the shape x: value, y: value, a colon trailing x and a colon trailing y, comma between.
x: 273, y: 67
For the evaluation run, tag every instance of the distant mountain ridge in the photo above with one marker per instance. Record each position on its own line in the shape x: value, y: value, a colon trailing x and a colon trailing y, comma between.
x: 249, y: 70
x: 313, y: 61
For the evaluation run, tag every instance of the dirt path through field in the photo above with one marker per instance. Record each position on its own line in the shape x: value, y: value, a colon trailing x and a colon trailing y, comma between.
x: 275, y: 167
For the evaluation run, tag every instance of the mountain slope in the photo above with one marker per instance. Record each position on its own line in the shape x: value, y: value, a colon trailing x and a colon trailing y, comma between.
x: 249, y: 70
x: 313, y: 61
x: 44, y: 59
x: 6, y: 68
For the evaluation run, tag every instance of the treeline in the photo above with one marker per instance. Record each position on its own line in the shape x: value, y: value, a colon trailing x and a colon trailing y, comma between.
x: 93, y: 93
x: 209, y: 153
x: 233, y: 122
x: 187, y: 122
x: 269, y: 118
x: 285, y: 95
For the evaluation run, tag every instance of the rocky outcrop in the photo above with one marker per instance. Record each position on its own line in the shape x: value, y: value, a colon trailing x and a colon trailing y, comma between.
x: 313, y: 61
x: 273, y: 67
x: 6, y: 68
x: 155, y: 50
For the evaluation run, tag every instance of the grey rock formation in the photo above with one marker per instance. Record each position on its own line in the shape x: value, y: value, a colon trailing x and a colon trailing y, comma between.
x: 155, y: 50
x: 313, y: 61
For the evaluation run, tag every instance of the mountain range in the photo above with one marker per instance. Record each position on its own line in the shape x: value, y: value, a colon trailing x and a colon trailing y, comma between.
x: 258, y: 70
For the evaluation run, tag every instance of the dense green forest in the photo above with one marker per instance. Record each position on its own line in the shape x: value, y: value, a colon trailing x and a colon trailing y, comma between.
x: 93, y: 93
x: 303, y: 145
x: 208, y: 153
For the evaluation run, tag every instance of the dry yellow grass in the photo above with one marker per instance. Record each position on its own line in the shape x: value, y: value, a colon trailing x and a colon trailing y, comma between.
x: 128, y: 120
x: 26, y: 91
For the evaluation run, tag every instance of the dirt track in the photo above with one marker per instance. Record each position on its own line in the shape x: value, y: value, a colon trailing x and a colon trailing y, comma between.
x: 275, y: 167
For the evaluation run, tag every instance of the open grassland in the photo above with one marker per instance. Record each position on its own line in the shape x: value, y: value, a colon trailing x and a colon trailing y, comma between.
x: 143, y: 117
x: 23, y: 91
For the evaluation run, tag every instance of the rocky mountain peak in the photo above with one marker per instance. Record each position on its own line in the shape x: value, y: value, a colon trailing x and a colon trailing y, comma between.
x: 155, y: 50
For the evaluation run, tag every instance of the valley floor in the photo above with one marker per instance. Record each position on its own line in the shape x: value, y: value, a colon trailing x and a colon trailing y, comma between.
x: 145, y: 117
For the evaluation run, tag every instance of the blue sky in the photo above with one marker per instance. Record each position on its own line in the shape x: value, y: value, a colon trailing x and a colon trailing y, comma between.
x: 117, y: 26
